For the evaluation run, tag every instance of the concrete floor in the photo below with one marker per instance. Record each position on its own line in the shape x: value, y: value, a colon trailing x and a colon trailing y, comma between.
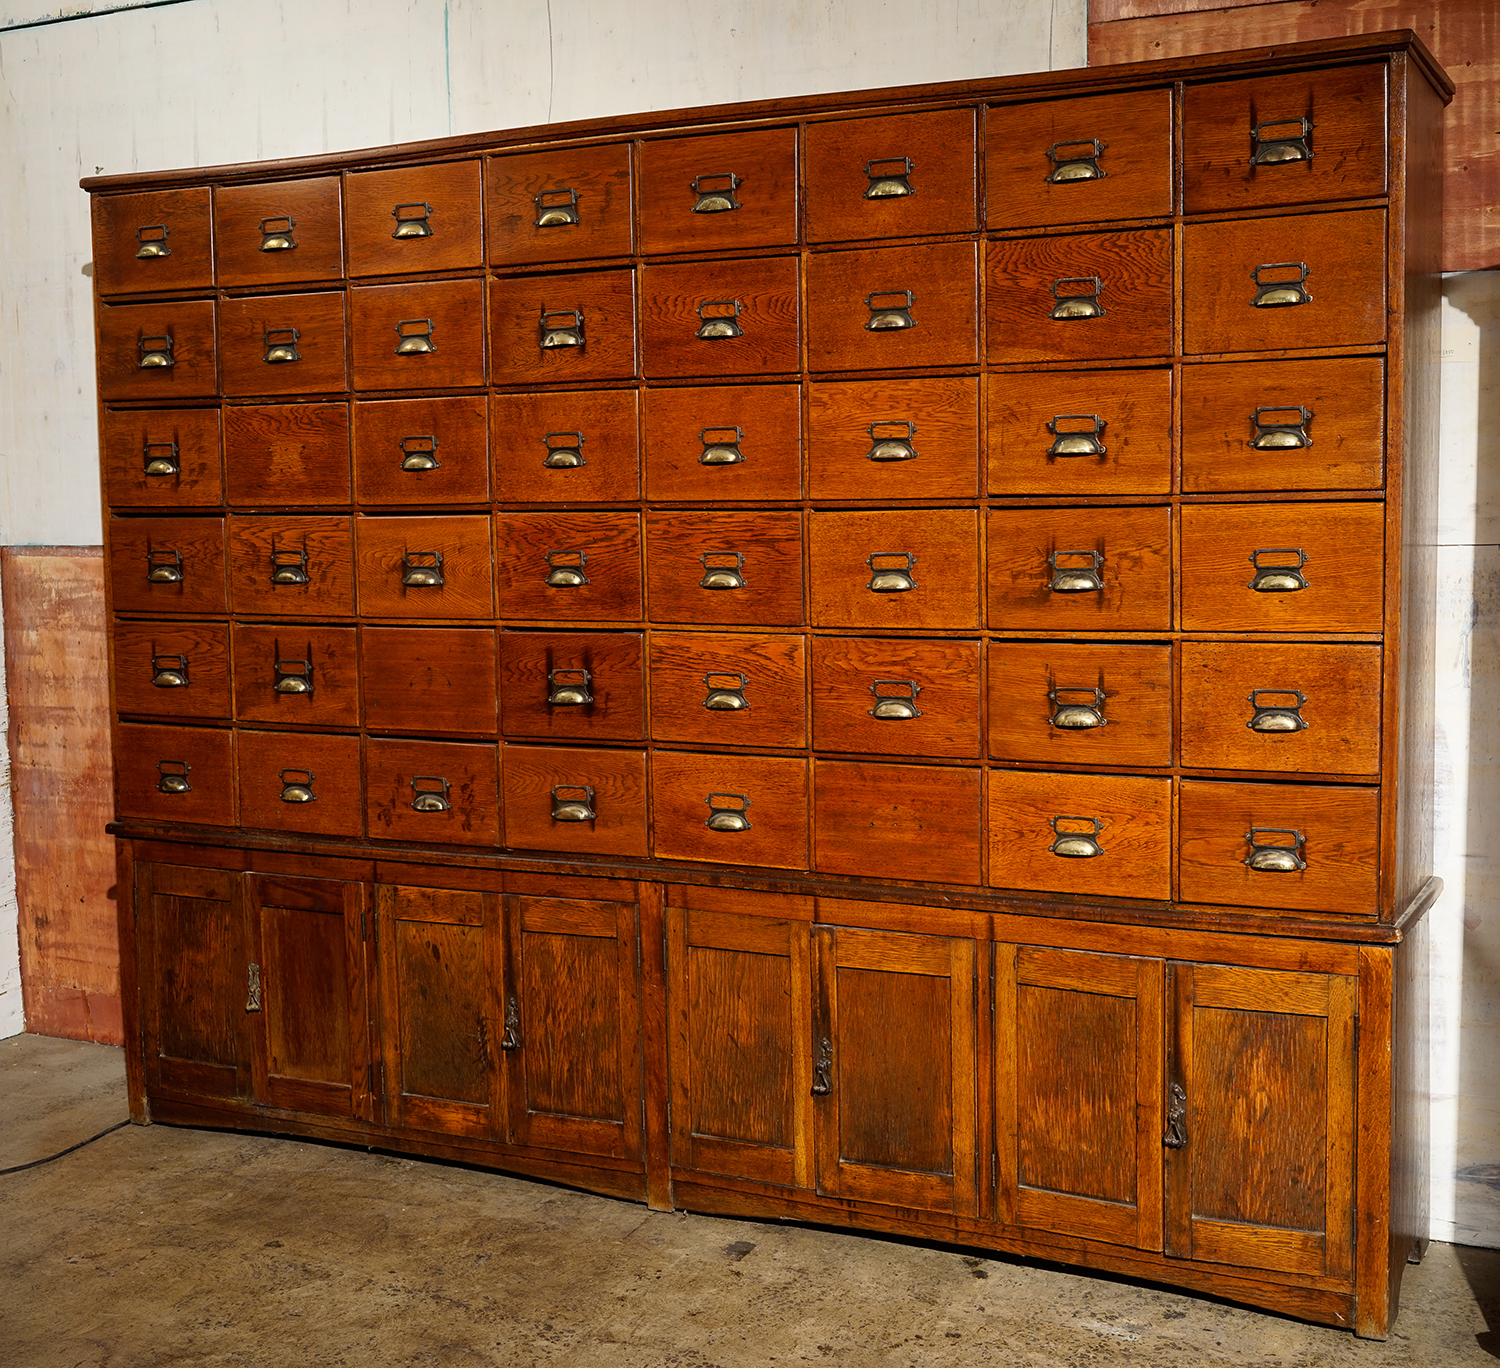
x: 161, y: 1246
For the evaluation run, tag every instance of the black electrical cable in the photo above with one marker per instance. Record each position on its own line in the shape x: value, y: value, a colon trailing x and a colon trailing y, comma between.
x: 17, y: 1168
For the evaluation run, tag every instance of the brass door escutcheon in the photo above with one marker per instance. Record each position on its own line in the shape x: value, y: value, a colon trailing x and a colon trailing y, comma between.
x: 1176, y: 1132
x: 822, y: 1083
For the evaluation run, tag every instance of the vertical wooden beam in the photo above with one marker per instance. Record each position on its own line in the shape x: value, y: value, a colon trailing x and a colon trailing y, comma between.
x: 654, y: 1047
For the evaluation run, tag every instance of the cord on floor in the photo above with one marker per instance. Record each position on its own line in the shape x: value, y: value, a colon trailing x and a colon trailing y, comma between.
x: 17, y: 1168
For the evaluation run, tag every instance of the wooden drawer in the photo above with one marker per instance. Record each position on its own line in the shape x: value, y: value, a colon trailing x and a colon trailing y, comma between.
x: 574, y: 446
x: 896, y: 568
x: 570, y: 204
x: 439, y: 791
x: 287, y: 454
x: 421, y: 451
x: 161, y: 458
x: 557, y: 329
x: 586, y: 686
x: 1080, y: 432
x: 167, y: 565
x: 907, y: 821
x: 1093, y: 160
x: 1281, y: 707
x: 290, y: 672
x: 883, y: 696
x: 278, y: 231
x: 283, y: 344
x: 429, y: 679
x: 1331, y: 267
x: 719, y: 193
x: 1334, y: 551
x: 163, y: 352
x: 892, y: 308
x: 568, y: 567
x: 1118, y: 828
x: 1329, y: 142
x: 550, y: 790
x: 735, y: 569
x: 427, y: 335
x: 1043, y: 562
x: 414, y: 218
x: 300, y: 781
x: 729, y: 689
x: 901, y: 175
x: 1043, y: 302
x: 1253, y: 425
x: 172, y: 669
x: 720, y: 318
x: 175, y: 774
x: 296, y: 566
x: 724, y: 442
x: 882, y: 440
x: 1085, y: 703
x: 758, y: 804
x: 1331, y: 831
x: 156, y: 241
x: 425, y: 567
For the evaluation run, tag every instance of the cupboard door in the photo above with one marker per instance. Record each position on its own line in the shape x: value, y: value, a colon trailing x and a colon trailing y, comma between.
x: 1078, y: 1061
x: 893, y: 1069
x: 1260, y: 1118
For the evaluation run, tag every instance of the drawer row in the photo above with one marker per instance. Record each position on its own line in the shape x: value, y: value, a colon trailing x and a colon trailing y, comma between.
x: 1271, y: 707
x: 1280, y: 140
x: 1311, y: 280
x: 1293, y: 846
x: 1288, y: 567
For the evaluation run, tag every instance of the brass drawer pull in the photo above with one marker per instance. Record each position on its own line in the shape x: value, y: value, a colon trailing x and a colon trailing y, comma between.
x: 891, y: 440
x: 429, y: 793
x: 169, y: 671
x: 1074, y: 303
x: 723, y: 815
x: 720, y: 319
x: 722, y: 696
x: 410, y: 224
x: 1076, y: 434
x: 157, y: 464
x: 292, y: 676
x: 715, y: 191
x: 297, y: 786
x: 568, y: 686
x: 1279, y: 148
x: 556, y: 208
x: 1074, y: 842
x: 573, y: 803
x: 559, y: 328
x: 281, y: 345
x: 1176, y: 1132
x: 419, y: 453
x: 717, y: 451
x: 886, y: 180
x: 172, y: 776
x: 1071, y: 164
x: 153, y: 241
x: 1271, y: 435
x: 890, y: 310
x: 1268, y: 857
x: 564, y: 450
x: 415, y: 336
x: 1277, y: 717
x: 822, y: 1083
x: 900, y: 705
x: 1076, y: 579
x: 1278, y: 579
x: 1281, y: 292
x: 1070, y: 713
x: 719, y: 573
x: 276, y: 234
x: 422, y: 569
x: 565, y: 569
x: 891, y: 579
x: 156, y: 353
x: 289, y: 566
x: 163, y: 567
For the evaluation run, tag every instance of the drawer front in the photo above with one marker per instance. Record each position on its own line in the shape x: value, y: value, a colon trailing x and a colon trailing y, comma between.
x: 1281, y: 707
x: 719, y: 193
x: 896, y: 568
x: 283, y: 344
x: 572, y: 204
x: 1080, y: 433
x: 1243, y: 844
x: 1320, y: 280
x: 724, y: 442
x: 172, y: 669
x: 729, y: 689
x: 907, y: 821
x: 156, y: 241
x: 735, y: 569
x: 167, y: 565
x: 299, y: 567
x: 556, y: 329
x: 421, y: 451
x: 1092, y: 160
x: 163, y: 352
x: 721, y: 318
x: 1297, y: 138
x: 423, y: 336
x: 582, y: 801
x: 425, y: 567
x: 300, y: 781
x: 583, y: 686
x: 440, y: 791
x: 1084, y: 703
x: 903, y: 175
x: 884, y: 696
x: 1080, y: 570
x: 414, y: 218
x: 279, y: 454
x: 1080, y: 298
x: 161, y: 458
x: 429, y: 679
x: 175, y: 774
x: 757, y: 803
x: 278, y: 231
x: 574, y: 446
x: 1254, y: 425
x: 1105, y: 835
x: 568, y: 567
x: 288, y: 672
x: 1290, y: 567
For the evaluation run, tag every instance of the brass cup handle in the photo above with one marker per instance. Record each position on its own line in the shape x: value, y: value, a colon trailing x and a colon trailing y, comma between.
x: 169, y: 671
x: 889, y: 177
x: 1275, y: 857
x: 722, y: 570
x: 163, y: 566
x: 892, y: 439
x: 289, y: 565
x: 412, y: 220
x: 152, y: 238
x: 895, y: 700
x: 894, y: 574
x: 1078, y: 840
x: 559, y: 328
x: 1071, y: 164
x: 568, y: 686
x: 172, y: 776
x: 1281, y: 145
x: 890, y: 310
x: 1069, y: 710
x: 573, y: 803
x: 276, y: 234
x: 422, y: 569
x: 1176, y: 1132
x: 556, y: 208
x: 1076, y: 297
x: 1073, y: 577
x: 289, y: 676
x: 1277, y: 717
x: 1076, y: 434
x: 414, y: 337
x: 161, y: 458
x: 297, y: 786
x: 724, y: 696
x: 719, y: 449
x: 1281, y: 432
x: 719, y: 320
x: 822, y: 1083
x: 564, y: 450
x: 1280, y: 289
x: 280, y: 346
x: 1278, y: 577
x: 727, y: 812
x: 565, y: 569
x: 715, y: 192
x: 419, y: 453
x: 429, y: 793
x: 156, y: 352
